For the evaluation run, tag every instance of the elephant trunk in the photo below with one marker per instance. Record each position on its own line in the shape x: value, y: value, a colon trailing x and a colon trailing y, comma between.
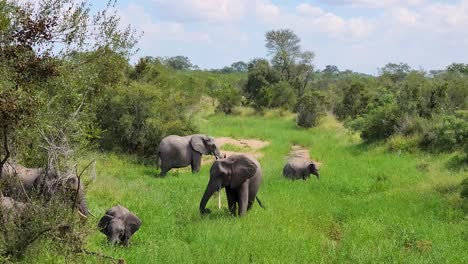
x: 217, y: 153
x: 210, y: 189
x: 83, y: 207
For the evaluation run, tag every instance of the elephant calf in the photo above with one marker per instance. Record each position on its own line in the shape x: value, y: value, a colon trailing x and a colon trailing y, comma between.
x: 119, y: 225
x: 300, y: 168
x: 241, y: 176
x: 178, y: 152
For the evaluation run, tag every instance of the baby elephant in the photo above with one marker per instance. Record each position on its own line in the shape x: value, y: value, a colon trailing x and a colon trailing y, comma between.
x: 298, y: 168
x: 119, y: 225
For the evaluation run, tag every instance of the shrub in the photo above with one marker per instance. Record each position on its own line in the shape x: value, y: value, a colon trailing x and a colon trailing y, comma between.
x: 228, y: 98
x: 448, y: 134
x: 137, y: 117
x: 311, y: 107
x: 381, y: 123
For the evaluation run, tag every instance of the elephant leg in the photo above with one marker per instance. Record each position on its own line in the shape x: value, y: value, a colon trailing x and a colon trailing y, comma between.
x: 196, y: 162
x: 231, y: 198
x: 243, y: 198
x: 164, y: 171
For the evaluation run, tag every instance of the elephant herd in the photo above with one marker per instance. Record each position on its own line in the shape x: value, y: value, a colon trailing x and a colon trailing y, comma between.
x: 239, y: 174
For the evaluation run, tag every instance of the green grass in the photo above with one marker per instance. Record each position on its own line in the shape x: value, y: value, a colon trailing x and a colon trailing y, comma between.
x: 370, y: 206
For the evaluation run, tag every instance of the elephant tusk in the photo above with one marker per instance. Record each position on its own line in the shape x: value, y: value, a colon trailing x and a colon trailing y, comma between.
x: 82, y: 215
x: 219, y: 199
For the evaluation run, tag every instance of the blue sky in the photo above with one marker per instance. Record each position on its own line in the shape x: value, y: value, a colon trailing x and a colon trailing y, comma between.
x: 361, y: 35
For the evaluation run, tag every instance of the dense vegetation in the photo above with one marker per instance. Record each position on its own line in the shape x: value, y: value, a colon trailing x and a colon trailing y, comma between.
x: 68, y: 97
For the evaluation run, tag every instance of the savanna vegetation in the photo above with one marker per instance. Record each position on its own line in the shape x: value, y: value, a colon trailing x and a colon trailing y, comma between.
x: 392, y: 148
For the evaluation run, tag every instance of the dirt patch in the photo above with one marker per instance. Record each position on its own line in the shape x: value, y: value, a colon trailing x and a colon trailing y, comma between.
x: 253, y: 144
x: 231, y: 146
x: 298, y: 151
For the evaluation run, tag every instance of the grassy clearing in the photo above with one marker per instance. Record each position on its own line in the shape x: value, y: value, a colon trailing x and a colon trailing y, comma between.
x: 370, y: 205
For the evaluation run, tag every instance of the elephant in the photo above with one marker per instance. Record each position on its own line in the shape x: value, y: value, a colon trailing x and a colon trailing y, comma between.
x: 22, y: 182
x: 119, y: 225
x: 298, y: 168
x: 241, y: 177
x: 10, y: 209
x: 177, y: 152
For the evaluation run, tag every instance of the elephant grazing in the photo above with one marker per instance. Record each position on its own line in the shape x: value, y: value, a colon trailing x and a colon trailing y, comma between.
x: 22, y: 182
x: 178, y: 152
x: 241, y: 176
x: 119, y: 225
x: 300, y: 168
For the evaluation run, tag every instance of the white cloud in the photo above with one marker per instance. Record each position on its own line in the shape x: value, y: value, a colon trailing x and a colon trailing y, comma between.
x: 202, y: 10
x: 375, y: 3
x: 266, y: 11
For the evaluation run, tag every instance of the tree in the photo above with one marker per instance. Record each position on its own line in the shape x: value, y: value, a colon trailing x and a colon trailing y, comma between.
x: 261, y: 75
x: 178, y: 62
x: 294, y: 65
x: 311, y: 107
x: 49, y: 87
x: 240, y: 66
x: 395, y: 72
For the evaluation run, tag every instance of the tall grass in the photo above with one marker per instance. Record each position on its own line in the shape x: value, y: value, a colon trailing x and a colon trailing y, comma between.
x: 369, y: 206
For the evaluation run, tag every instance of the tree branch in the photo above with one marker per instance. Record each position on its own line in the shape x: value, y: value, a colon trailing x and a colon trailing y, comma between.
x: 5, y: 147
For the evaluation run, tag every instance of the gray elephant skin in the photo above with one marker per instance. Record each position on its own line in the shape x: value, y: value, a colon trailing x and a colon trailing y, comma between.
x: 241, y: 177
x: 119, y: 225
x: 299, y: 168
x: 178, y: 152
x: 45, y: 183
x: 10, y: 209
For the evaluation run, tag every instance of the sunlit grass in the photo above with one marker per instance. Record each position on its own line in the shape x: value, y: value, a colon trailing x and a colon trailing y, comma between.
x: 370, y: 205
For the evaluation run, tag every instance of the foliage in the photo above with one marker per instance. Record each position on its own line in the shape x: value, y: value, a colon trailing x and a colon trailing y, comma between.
x: 381, y: 123
x: 448, y: 134
x: 311, y: 107
x: 354, y: 100
x: 136, y: 117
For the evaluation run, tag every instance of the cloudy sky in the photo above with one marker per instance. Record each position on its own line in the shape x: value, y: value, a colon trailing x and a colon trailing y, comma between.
x: 361, y: 35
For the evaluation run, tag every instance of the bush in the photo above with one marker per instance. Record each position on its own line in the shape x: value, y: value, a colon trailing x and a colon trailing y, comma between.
x: 449, y: 134
x: 381, y: 123
x: 137, y: 117
x: 311, y: 107
x: 228, y: 98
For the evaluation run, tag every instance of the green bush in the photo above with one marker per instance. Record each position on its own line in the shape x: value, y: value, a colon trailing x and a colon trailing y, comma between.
x: 448, y: 134
x: 311, y: 107
x: 134, y: 119
x: 381, y: 123
x: 228, y: 98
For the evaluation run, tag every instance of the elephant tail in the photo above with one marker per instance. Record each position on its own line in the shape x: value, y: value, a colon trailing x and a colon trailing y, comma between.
x: 158, y: 160
x: 259, y: 202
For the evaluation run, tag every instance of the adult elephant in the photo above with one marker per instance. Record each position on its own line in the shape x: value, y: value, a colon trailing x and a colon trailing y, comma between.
x: 22, y: 182
x: 241, y: 176
x: 300, y: 168
x: 178, y: 152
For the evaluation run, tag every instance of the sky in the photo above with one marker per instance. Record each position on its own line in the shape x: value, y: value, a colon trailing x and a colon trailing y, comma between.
x: 360, y: 35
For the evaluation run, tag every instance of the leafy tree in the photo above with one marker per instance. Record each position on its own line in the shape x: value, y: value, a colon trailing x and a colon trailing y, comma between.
x: 261, y: 75
x: 311, y: 107
x: 240, y: 66
x: 177, y: 62
x: 354, y: 102
x: 283, y: 46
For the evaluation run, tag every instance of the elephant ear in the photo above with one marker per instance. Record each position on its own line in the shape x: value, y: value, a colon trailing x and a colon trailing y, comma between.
x: 198, y: 144
x: 243, y: 168
x: 105, y: 220
x: 132, y: 224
